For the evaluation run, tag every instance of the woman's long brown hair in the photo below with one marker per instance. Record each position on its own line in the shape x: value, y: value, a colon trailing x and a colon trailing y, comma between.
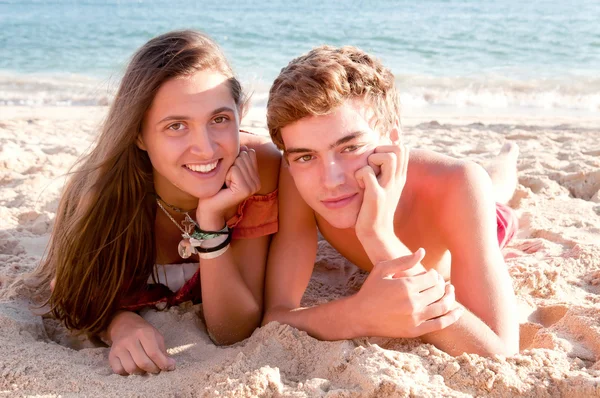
x: 102, y: 246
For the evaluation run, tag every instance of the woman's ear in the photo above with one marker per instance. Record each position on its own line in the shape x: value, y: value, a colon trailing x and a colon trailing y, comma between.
x: 140, y: 142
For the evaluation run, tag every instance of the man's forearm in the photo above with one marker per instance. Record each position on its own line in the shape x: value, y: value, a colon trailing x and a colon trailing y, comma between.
x: 335, y: 320
x: 471, y: 335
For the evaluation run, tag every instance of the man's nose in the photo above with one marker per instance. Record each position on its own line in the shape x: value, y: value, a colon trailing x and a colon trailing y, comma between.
x: 333, y: 174
x: 202, y: 144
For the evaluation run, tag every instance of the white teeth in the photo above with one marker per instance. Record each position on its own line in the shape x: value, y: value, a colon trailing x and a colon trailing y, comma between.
x: 202, y: 168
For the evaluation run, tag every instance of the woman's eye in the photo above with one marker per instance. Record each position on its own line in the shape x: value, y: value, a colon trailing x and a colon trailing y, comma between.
x: 176, y: 126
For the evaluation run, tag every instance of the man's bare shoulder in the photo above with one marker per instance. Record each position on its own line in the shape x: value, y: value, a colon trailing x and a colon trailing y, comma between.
x: 440, y: 172
x: 445, y: 182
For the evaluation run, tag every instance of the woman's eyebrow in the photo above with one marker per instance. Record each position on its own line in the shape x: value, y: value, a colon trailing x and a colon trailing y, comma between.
x: 173, y: 117
x: 182, y: 117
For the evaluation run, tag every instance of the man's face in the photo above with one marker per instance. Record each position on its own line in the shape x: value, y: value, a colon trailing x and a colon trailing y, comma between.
x: 324, y: 153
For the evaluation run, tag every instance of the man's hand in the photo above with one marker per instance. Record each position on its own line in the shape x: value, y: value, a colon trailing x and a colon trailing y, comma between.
x: 397, y: 305
x: 242, y: 180
x: 383, y: 180
x: 137, y: 347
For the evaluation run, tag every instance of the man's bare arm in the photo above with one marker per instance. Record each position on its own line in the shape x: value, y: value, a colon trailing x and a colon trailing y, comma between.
x: 384, y: 306
x: 478, y: 272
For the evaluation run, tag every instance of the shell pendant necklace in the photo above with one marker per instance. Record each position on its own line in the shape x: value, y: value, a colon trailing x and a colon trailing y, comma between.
x: 184, y: 248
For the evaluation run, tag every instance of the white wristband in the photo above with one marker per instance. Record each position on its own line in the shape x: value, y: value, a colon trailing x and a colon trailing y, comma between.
x: 211, y: 255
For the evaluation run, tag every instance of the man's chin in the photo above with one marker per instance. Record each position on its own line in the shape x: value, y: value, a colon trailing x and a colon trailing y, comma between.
x: 344, y: 222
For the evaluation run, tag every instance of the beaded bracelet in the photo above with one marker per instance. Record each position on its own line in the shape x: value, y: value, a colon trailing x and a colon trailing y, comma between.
x: 200, y: 234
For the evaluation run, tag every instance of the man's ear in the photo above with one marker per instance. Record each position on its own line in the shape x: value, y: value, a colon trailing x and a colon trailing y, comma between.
x: 140, y: 142
x: 395, y: 135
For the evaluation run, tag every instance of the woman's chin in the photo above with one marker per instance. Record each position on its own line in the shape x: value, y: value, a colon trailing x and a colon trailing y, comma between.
x: 204, y: 192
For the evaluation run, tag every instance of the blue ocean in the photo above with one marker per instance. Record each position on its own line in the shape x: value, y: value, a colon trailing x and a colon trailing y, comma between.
x: 449, y: 54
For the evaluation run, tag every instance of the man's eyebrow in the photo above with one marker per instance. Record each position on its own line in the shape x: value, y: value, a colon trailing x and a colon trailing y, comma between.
x: 182, y: 117
x: 222, y: 109
x: 347, y: 138
x: 341, y: 141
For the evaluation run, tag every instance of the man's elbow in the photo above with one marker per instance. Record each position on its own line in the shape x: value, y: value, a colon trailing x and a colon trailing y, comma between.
x: 270, y: 316
x: 510, y: 348
x: 275, y: 314
x: 503, y: 348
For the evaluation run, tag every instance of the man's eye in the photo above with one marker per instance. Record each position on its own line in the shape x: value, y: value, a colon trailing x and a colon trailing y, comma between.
x: 304, y: 158
x: 176, y: 126
x: 220, y: 119
x: 351, y: 148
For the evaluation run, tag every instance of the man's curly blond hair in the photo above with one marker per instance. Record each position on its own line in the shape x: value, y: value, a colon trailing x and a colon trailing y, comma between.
x: 316, y: 83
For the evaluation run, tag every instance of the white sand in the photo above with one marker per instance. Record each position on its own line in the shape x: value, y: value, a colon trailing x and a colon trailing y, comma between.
x: 554, y: 262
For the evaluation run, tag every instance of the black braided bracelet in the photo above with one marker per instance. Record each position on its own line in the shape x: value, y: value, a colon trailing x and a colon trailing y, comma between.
x: 218, y: 247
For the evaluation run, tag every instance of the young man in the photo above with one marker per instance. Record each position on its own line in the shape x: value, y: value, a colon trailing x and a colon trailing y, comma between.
x: 426, y: 226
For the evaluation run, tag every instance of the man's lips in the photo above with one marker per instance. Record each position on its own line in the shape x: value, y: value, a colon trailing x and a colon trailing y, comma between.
x: 338, y: 202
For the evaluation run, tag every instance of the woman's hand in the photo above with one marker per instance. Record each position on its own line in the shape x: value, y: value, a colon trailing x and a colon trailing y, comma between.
x: 137, y: 347
x: 242, y: 180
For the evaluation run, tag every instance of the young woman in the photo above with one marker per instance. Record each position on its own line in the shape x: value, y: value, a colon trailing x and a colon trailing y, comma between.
x: 173, y: 204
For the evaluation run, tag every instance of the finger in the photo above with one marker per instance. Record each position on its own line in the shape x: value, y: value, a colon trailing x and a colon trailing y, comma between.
x: 387, y: 164
x: 170, y: 362
x: 433, y: 325
x: 402, y: 170
x: 388, y: 149
x: 245, y: 180
x: 157, y: 355
x: 254, y: 159
x: 239, y: 181
x: 441, y: 306
x: 115, y: 364
x: 242, y: 162
x: 142, y: 360
x: 388, y: 269
x: 425, y: 281
x: 254, y: 167
x: 248, y: 167
x: 367, y: 180
x: 52, y: 284
x: 128, y: 362
x: 229, y: 176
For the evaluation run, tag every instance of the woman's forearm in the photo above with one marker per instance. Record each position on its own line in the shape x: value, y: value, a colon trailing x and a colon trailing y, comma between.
x: 230, y: 310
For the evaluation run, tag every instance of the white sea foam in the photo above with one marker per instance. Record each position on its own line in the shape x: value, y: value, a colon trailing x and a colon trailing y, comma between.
x: 580, y: 93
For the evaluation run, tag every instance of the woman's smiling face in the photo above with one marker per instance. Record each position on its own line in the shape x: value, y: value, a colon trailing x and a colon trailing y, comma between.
x: 191, y: 134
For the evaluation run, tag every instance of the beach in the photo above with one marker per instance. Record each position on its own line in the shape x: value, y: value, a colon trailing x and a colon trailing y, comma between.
x: 554, y: 262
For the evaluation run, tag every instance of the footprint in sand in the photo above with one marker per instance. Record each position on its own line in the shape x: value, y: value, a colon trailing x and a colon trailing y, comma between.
x: 573, y: 331
x: 548, y: 316
x: 529, y: 246
x: 541, y: 318
x: 582, y: 184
